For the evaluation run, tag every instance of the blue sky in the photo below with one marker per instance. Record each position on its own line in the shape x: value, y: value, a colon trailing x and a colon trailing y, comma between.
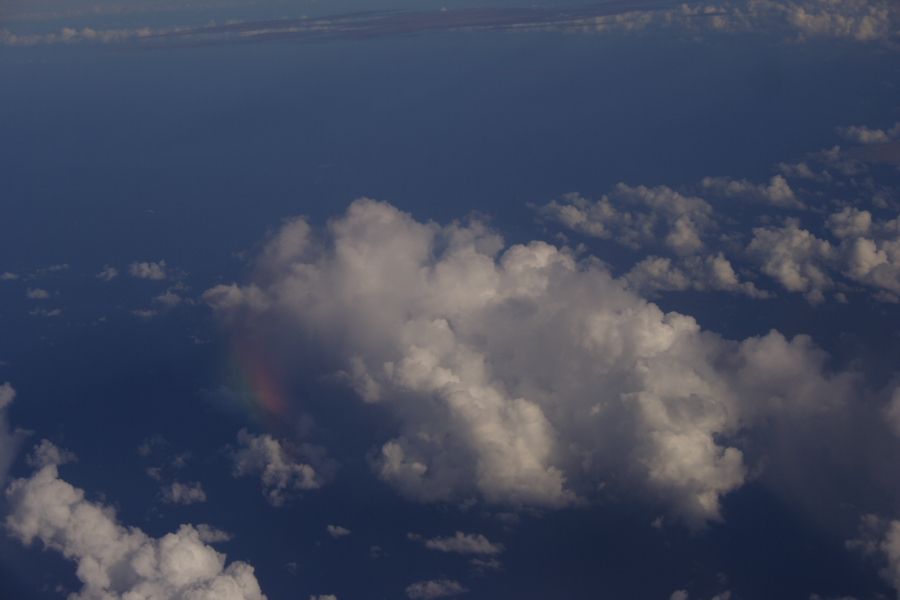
x: 342, y: 300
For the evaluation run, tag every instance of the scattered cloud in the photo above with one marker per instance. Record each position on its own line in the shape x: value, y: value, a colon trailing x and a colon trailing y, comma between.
x: 336, y: 531
x: 637, y: 217
x: 436, y: 588
x: 464, y: 543
x: 776, y: 193
x: 107, y: 273
x: 148, y: 270
x: 880, y: 539
x: 280, y: 473
x: 37, y: 294
x: 10, y: 439
x: 115, y: 561
x: 183, y: 493
x: 8, y: 276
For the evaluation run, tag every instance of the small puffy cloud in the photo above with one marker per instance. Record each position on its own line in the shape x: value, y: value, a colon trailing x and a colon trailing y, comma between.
x: 280, y: 473
x: 707, y: 273
x: 10, y: 439
x: 776, y: 193
x: 116, y: 562
x: 795, y: 258
x: 336, y: 531
x: 107, y: 273
x: 37, y: 294
x: 636, y: 217
x: 485, y: 564
x: 7, y: 395
x: 679, y: 595
x: 8, y: 276
x: 861, y: 134
x: 892, y: 412
x: 464, y: 543
x: 183, y: 493
x: 168, y: 299
x: 880, y: 539
x: 144, y: 313
x: 45, y: 312
x: 148, y: 270
x: 212, y: 535
x: 324, y: 597
x: 47, y: 453
x: 435, y: 588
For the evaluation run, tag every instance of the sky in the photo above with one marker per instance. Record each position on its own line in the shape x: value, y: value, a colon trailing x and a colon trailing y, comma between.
x: 477, y: 299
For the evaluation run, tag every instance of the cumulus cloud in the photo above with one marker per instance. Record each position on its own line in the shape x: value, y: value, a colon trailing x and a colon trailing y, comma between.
x: 107, y: 273
x: 708, y: 273
x: 438, y: 324
x: 880, y: 539
x: 861, y: 134
x: 148, y: 270
x: 679, y: 595
x: 184, y: 493
x: 436, y: 588
x: 48, y: 453
x: 464, y: 543
x: 867, y: 251
x: 280, y: 473
x: 637, y: 217
x: 324, y: 597
x: 37, y: 294
x: 10, y: 440
x: 336, y: 531
x: 119, y: 562
x: 795, y: 258
x: 8, y: 276
x: 776, y: 193
x: 892, y: 412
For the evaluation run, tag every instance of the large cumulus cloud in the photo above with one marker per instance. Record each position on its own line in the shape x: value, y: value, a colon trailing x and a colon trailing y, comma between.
x: 522, y: 374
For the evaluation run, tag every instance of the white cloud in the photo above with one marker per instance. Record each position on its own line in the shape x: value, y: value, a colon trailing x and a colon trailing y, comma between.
x: 710, y: 272
x: 867, y: 252
x: 107, y: 273
x: 336, y: 531
x: 116, y: 562
x: 892, y: 412
x: 865, y: 135
x: 184, y: 493
x: 37, y: 294
x: 439, y: 326
x: 324, y: 597
x: 8, y: 276
x: 47, y: 453
x: 7, y: 395
x: 168, y: 299
x: 148, y: 270
x: 10, y: 440
x: 777, y: 193
x: 464, y: 543
x: 679, y: 595
x: 637, y: 217
x: 281, y: 474
x: 795, y: 258
x: 880, y: 539
x: 44, y: 312
x: 436, y: 588
x: 212, y: 535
